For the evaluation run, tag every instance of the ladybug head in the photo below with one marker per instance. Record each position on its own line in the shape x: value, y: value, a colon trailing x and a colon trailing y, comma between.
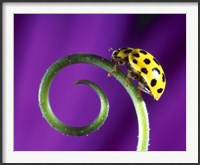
x: 119, y: 58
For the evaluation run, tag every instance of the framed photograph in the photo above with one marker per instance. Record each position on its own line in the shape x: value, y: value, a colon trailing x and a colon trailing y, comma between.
x: 99, y: 82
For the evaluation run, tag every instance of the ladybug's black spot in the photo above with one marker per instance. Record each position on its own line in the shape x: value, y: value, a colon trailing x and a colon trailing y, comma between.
x: 144, y: 70
x: 156, y: 70
x: 160, y: 90
x: 136, y: 55
x: 153, y: 82
x: 147, y: 61
x: 143, y: 52
x: 135, y: 61
x: 156, y: 61
x: 163, y: 77
x: 127, y: 51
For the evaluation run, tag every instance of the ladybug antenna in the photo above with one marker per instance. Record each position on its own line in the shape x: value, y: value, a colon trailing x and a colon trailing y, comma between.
x: 110, y: 49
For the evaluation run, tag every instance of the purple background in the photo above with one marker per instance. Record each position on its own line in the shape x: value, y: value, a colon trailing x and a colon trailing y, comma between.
x: 40, y: 40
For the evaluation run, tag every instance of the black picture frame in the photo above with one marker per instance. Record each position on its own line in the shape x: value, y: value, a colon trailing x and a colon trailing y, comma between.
x: 48, y: 1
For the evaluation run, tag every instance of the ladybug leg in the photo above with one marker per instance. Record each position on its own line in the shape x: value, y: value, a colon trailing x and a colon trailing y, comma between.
x: 144, y: 88
x: 113, y: 71
x: 139, y: 93
x: 128, y: 78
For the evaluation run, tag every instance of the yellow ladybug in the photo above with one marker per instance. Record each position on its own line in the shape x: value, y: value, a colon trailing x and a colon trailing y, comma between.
x: 143, y: 67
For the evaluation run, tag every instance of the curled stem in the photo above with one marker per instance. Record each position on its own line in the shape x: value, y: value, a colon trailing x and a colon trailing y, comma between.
x: 140, y: 107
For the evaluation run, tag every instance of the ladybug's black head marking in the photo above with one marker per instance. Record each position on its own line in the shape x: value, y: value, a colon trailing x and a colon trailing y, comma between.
x: 119, y: 58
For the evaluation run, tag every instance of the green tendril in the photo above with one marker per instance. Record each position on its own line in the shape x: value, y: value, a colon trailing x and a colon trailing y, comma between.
x: 140, y: 107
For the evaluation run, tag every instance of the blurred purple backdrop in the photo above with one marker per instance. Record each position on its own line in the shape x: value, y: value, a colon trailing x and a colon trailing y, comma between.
x: 41, y: 39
